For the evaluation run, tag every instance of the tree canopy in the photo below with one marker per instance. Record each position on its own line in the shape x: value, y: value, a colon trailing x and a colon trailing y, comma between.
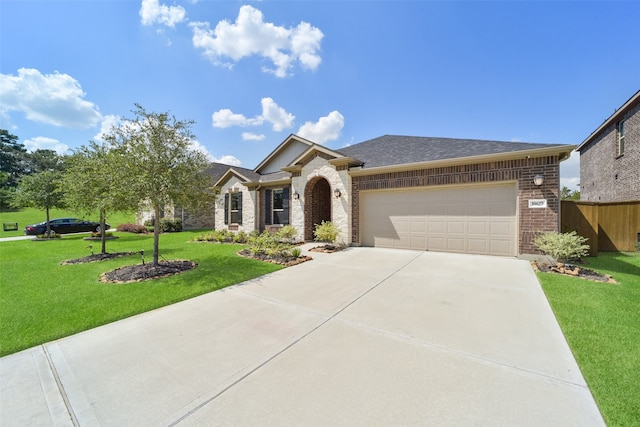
x: 95, y: 181
x: 156, y: 150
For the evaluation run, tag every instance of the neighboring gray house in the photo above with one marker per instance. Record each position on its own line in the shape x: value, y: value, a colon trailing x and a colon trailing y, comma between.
x: 610, y: 157
x: 440, y: 194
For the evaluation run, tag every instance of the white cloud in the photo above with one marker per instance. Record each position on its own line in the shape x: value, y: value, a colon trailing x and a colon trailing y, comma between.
x: 108, y: 122
x: 271, y: 112
x: 45, y: 143
x: 248, y: 136
x: 226, y: 118
x: 152, y: 12
x: 570, y: 172
x: 56, y: 99
x: 227, y: 160
x: 328, y: 128
x: 250, y: 35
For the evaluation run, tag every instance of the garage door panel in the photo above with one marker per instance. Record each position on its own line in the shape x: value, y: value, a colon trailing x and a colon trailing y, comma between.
x: 477, y: 227
x: 436, y: 226
x: 477, y: 246
x: 456, y: 226
x: 473, y: 219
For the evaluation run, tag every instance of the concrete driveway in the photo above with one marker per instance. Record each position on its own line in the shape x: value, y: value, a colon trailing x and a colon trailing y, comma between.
x: 361, y: 337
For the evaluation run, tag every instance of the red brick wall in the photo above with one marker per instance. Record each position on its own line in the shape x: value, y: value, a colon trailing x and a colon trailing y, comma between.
x: 605, y: 176
x: 530, y: 221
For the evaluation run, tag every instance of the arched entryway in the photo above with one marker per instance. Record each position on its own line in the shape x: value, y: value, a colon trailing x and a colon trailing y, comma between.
x: 317, y: 207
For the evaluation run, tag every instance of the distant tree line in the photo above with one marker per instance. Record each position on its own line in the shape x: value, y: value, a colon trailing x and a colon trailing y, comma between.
x: 16, y: 163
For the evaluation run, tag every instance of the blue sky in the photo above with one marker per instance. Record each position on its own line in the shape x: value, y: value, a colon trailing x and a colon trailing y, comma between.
x: 336, y: 72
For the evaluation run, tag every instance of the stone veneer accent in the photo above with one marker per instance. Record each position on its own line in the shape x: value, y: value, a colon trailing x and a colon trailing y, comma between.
x: 248, y: 206
x: 530, y: 221
x: 318, y: 166
x: 605, y: 176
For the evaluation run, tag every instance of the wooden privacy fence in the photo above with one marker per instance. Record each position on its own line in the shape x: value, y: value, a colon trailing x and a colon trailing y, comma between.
x: 608, y: 226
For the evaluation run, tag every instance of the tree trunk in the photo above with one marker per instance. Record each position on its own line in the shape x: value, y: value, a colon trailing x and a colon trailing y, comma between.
x: 103, y: 235
x: 156, y: 235
x: 48, y: 230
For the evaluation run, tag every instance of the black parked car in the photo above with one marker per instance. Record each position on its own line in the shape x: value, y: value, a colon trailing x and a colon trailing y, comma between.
x: 63, y: 226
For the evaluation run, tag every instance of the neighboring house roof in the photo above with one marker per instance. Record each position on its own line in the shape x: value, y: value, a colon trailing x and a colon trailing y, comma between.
x: 216, y: 170
x: 391, y: 150
x: 615, y: 117
x: 224, y: 171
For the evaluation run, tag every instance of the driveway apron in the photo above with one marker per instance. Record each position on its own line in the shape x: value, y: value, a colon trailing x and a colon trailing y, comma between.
x: 360, y: 337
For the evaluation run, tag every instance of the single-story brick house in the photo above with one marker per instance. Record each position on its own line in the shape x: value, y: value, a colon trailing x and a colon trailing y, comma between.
x: 610, y: 157
x: 440, y: 194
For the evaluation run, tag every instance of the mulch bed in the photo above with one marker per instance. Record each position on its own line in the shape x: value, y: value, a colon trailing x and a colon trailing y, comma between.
x: 97, y: 257
x: 573, y: 270
x: 327, y: 249
x: 140, y: 272
x: 287, y: 261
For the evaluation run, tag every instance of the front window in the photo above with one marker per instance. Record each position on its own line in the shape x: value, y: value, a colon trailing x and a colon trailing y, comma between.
x: 621, y: 134
x: 235, y: 208
x: 276, y: 206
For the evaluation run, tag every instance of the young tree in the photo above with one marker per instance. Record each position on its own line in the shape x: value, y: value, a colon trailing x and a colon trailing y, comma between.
x: 94, y: 180
x: 156, y: 150
x: 40, y: 191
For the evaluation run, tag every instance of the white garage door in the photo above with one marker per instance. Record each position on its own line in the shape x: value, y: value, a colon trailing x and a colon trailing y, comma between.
x: 469, y: 219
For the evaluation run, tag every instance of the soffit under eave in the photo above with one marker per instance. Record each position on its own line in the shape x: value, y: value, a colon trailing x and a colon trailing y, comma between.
x: 338, y: 159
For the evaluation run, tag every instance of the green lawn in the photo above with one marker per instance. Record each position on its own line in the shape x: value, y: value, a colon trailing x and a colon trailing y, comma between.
x: 42, y: 300
x: 602, y: 325
x: 27, y: 216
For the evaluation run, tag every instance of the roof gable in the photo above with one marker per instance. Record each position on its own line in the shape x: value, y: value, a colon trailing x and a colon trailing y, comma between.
x: 284, y: 153
x: 245, y: 175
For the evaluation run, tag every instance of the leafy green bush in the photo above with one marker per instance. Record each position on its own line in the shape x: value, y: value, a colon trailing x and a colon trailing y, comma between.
x: 288, y: 233
x: 167, y: 225
x: 132, y: 228
x: 263, y: 242
x: 240, y: 237
x: 221, y: 236
x: 562, y: 246
x: 326, y: 232
x: 295, y: 252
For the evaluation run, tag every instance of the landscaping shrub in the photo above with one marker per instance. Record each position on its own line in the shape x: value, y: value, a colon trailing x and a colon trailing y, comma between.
x: 263, y: 242
x: 326, y: 232
x: 562, y: 246
x: 295, y: 252
x: 132, y: 228
x: 240, y: 237
x: 167, y: 225
x: 288, y: 233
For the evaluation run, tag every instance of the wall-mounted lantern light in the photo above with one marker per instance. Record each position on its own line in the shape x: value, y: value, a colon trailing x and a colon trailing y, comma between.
x: 296, y: 196
x: 337, y: 193
x: 538, y: 180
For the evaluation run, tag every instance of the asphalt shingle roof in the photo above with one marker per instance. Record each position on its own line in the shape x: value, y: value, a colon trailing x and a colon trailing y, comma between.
x: 217, y: 170
x: 391, y: 150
